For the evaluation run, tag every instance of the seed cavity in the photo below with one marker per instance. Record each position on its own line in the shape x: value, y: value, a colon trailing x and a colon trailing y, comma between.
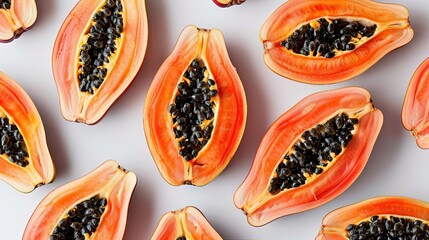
x: 5, y: 4
x: 12, y: 143
x: 389, y: 227
x: 101, y: 43
x: 325, y: 37
x: 181, y: 238
x: 313, y: 152
x: 81, y: 221
x: 193, y: 110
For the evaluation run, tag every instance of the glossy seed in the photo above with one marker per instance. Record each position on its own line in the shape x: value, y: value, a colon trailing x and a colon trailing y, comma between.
x: 5, y: 4
x: 329, y: 55
x: 350, y: 46
x: 172, y: 108
x: 211, y: 82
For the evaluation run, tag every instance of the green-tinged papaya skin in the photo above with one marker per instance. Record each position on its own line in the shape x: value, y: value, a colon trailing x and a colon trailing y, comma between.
x: 92, y: 207
x: 228, y: 3
x: 16, y: 17
x: 195, y: 110
x: 415, y: 116
x: 185, y: 224
x: 26, y: 162
x: 388, y: 217
x: 310, y: 155
x: 98, y: 52
x: 329, y: 41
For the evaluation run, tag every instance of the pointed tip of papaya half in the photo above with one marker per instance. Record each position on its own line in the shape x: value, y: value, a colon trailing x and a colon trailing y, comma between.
x: 188, y: 222
x: 19, y: 18
x: 228, y: 3
x: 416, y: 101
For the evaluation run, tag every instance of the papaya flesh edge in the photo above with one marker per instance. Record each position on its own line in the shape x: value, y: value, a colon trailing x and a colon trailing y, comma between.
x: 415, y: 117
x: 20, y: 17
x: 393, y: 31
x: 109, y: 180
x: 260, y: 206
x: 230, y: 117
x: 18, y: 107
x: 188, y: 222
x: 77, y: 106
x: 335, y: 223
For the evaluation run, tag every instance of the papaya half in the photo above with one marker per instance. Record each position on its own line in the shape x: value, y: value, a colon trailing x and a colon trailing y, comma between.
x: 228, y: 3
x: 185, y: 224
x: 16, y: 17
x: 329, y: 41
x: 389, y: 217
x: 98, y: 52
x: 310, y: 155
x: 415, y: 116
x: 92, y: 207
x: 26, y: 162
x: 195, y: 109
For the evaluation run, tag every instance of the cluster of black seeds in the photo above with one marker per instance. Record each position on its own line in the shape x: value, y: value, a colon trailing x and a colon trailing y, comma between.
x: 82, y: 219
x: 192, y: 106
x: 316, y: 148
x: 108, y: 25
x: 327, y: 37
x: 5, y: 4
x: 181, y: 238
x: 12, y: 143
x: 392, y: 228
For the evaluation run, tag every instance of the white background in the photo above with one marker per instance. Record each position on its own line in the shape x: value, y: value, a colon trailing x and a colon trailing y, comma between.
x: 397, y: 166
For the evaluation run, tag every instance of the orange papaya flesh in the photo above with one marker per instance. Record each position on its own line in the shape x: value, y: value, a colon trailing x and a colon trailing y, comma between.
x: 195, y: 110
x: 388, y: 216
x: 310, y: 155
x: 184, y: 224
x: 323, y: 42
x: 228, y: 3
x: 26, y: 162
x: 98, y: 52
x: 16, y: 17
x: 415, y: 117
x: 94, y: 206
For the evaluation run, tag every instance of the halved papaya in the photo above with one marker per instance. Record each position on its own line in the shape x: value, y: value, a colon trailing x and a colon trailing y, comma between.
x: 415, y: 116
x: 92, y: 207
x: 329, y: 41
x: 16, y: 16
x: 98, y: 52
x: 195, y: 110
x: 26, y: 162
x: 389, y: 217
x: 310, y: 155
x: 228, y: 3
x: 185, y: 224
